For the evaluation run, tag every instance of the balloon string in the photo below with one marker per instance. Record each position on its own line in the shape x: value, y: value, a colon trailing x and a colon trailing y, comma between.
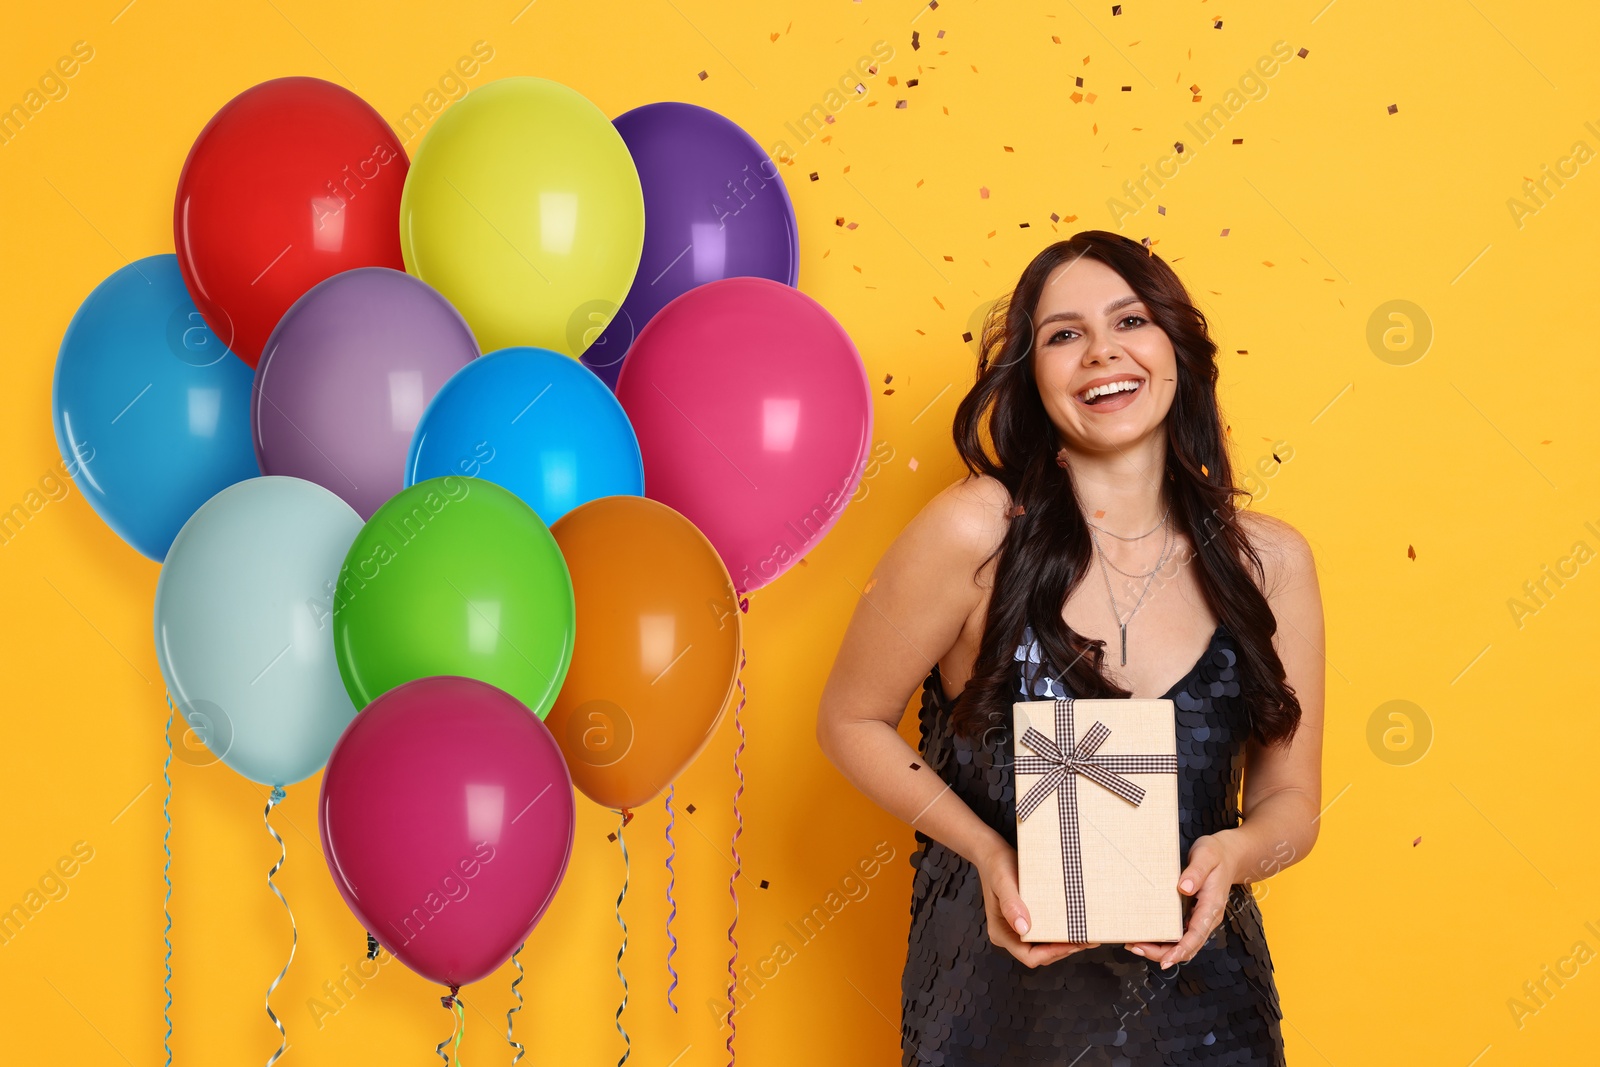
x: 458, y: 1025
x: 627, y: 1041
x: 166, y: 876
x: 513, y: 1042
x: 672, y: 879
x: 294, y: 933
x: 733, y: 881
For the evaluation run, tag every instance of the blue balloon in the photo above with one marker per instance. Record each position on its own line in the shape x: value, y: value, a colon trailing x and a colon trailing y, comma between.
x: 151, y: 410
x: 244, y: 626
x: 535, y: 422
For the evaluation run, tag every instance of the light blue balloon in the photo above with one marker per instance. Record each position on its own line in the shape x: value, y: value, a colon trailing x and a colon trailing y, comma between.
x: 535, y: 422
x: 151, y: 410
x: 244, y: 626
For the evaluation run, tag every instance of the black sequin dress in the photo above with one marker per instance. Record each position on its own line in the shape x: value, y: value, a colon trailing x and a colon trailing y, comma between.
x: 965, y: 1001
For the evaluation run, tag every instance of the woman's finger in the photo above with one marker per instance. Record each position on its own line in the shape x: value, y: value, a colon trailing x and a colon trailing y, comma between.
x: 1208, y: 909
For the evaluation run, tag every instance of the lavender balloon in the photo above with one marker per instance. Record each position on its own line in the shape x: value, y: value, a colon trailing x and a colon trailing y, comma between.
x: 345, y: 376
x: 714, y: 208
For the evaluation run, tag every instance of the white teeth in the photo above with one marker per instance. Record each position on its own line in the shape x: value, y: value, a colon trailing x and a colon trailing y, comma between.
x: 1114, y: 387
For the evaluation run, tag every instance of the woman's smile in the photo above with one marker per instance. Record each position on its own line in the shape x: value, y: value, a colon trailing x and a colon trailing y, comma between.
x: 1123, y: 390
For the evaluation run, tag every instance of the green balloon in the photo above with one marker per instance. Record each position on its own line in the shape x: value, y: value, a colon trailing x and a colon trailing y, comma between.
x: 455, y: 576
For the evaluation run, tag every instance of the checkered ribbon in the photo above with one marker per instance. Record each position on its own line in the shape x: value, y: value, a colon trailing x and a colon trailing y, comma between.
x: 1058, y: 764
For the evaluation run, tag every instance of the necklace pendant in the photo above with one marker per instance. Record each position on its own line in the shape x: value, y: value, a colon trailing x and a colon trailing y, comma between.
x: 1124, y: 628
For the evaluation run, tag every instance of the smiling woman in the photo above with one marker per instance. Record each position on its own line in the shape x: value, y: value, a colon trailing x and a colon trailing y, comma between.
x: 1095, y: 445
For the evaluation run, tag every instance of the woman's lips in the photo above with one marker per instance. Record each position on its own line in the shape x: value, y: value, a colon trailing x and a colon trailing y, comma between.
x: 1115, y: 402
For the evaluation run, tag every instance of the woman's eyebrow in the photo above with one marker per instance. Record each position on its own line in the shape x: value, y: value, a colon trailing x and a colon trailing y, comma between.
x: 1078, y: 316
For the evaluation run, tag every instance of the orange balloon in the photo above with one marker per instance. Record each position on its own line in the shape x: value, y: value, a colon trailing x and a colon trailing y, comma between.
x: 656, y: 654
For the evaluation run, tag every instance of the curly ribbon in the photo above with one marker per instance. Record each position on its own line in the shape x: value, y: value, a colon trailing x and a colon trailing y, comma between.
x: 672, y: 880
x: 513, y: 1042
x: 458, y: 1026
x: 627, y: 1041
x: 738, y: 828
x: 166, y: 876
x: 294, y: 933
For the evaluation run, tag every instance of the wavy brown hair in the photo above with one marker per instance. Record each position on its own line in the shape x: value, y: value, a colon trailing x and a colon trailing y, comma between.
x: 1047, y: 549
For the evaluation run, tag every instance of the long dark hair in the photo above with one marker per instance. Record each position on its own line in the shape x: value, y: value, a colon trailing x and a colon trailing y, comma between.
x: 1047, y: 550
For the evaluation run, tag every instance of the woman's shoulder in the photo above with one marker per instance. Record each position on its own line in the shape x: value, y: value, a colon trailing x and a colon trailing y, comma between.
x: 969, y: 515
x: 1285, y: 553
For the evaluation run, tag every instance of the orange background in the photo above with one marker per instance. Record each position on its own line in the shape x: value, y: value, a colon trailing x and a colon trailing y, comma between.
x: 1455, y: 862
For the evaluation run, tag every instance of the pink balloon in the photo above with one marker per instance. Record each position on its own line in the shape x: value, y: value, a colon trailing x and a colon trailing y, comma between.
x: 754, y: 418
x: 447, y: 819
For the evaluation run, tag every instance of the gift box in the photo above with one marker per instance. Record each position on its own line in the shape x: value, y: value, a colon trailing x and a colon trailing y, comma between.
x: 1097, y: 819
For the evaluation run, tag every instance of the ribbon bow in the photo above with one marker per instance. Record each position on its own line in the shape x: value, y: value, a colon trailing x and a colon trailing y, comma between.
x: 1058, y: 762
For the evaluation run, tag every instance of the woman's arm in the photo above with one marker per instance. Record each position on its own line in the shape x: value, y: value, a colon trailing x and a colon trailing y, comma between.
x: 925, y: 590
x: 1282, y: 783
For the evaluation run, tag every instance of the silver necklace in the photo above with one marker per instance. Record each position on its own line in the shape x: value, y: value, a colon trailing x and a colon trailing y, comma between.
x: 1122, y: 624
x: 1147, y: 533
x: 1136, y: 537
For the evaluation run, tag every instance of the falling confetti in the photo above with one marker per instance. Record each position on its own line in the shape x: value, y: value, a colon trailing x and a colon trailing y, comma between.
x: 763, y: 883
x: 1393, y: 108
x: 1411, y: 552
x: 870, y: 583
x: 1417, y: 842
x: 913, y: 463
x: 690, y: 809
x: 916, y: 766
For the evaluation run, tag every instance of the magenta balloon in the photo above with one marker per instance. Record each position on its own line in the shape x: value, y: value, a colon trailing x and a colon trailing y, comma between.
x: 754, y: 418
x: 344, y: 379
x: 447, y: 820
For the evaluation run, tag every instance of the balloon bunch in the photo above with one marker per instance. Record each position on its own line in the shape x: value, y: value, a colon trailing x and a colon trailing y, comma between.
x: 462, y: 582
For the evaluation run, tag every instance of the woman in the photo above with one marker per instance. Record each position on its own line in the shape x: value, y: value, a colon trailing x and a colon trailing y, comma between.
x: 1095, y: 550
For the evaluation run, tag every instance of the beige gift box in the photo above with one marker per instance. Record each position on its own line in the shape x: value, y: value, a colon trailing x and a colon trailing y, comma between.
x: 1097, y: 819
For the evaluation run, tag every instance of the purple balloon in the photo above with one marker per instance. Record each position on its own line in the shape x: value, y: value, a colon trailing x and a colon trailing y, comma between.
x: 345, y: 377
x: 714, y: 207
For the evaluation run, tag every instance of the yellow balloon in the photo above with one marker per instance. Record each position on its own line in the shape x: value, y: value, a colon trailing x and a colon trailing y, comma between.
x: 524, y: 209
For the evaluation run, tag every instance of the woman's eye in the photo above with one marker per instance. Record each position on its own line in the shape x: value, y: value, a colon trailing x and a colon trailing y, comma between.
x: 1138, y: 318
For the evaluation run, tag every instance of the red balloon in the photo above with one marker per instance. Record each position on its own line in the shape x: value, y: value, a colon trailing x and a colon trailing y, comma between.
x: 293, y: 181
x: 447, y: 818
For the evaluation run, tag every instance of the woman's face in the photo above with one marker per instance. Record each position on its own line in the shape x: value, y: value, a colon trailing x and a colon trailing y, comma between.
x: 1092, y: 330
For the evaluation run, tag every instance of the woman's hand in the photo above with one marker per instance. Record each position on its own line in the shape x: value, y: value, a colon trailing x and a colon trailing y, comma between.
x: 1209, y: 877
x: 1008, y: 915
